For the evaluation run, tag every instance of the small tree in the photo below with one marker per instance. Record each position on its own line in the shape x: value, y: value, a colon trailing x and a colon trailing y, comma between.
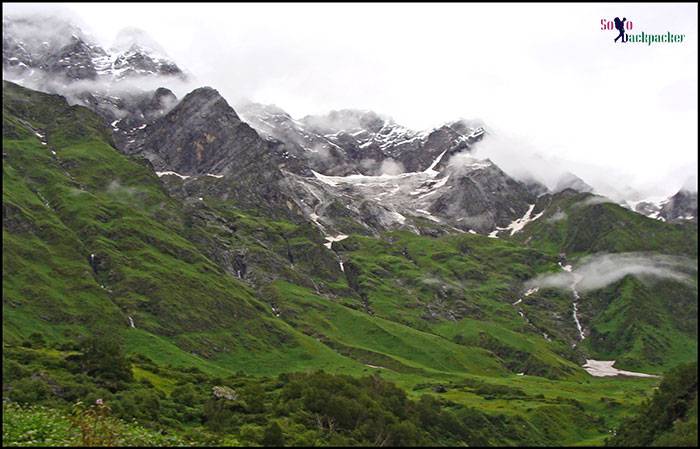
x: 104, y: 358
x: 273, y: 436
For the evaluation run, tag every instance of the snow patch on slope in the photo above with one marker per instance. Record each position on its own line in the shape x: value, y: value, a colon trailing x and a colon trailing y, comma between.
x: 519, y: 224
x: 604, y: 368
x: 166, y: 173
x: 331, y: 239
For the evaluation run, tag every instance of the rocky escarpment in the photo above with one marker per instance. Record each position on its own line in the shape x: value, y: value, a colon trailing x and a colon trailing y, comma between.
x: 683, y: 206
x: 202, y: 148
x: 482, y: 198
x: 201, y: 135
x: 349, y: 141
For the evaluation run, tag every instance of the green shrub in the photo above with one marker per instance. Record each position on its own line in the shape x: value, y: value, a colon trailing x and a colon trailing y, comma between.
x: 273, y: 436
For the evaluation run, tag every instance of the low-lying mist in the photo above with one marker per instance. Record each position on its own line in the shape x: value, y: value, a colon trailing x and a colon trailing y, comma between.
x: 73, y: 89
x: 600, y: 270
x: 525, y: 163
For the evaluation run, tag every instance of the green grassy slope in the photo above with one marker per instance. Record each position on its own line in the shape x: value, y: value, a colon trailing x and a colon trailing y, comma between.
x: 643, y: 326
x: 89, y: 199
x: 581, y: 223
x: 648, y: 325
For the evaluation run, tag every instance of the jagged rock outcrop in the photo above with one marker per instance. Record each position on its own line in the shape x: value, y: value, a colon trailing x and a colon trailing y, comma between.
x: 347, y: 141
x: 201, y: 135
x: 482, y: 198
x: 683, y: 206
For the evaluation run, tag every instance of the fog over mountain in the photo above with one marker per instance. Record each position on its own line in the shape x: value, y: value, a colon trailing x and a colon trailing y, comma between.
x: 623, y: 121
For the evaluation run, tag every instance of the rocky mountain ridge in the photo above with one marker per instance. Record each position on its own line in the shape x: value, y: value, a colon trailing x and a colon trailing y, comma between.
x: 345, y: 171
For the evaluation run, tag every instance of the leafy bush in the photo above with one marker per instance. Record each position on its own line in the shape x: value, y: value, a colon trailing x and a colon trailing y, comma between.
x: 273, y: 436
x: 87, y: 426
x: 103, y: 357
x: 669, y: 418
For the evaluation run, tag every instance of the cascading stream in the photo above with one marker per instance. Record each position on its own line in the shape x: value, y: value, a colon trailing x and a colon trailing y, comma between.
x: 576, y: 279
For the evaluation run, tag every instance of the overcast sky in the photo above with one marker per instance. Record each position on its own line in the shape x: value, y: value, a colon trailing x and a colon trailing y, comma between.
x: 544, y: 77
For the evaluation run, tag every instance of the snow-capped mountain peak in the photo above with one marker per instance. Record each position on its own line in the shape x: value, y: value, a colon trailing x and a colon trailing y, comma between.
x: 41, y: 53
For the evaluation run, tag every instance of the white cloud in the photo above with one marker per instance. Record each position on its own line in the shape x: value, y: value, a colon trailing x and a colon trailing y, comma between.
x: 559, y: 215
x: 599, y: 270
x: 391, y: 167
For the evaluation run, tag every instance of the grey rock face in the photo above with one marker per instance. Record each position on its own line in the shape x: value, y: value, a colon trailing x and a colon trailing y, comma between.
x: 647, y: 208
x: 535, y: 187
x: 139, y: 62
x: 128, y: 114
x: 201, y: 135
x: 15, y: 57
x: 204, y: 136
x: 483, y: 198
x: 74, y: 61
x: 388, y: 176
x: 349, y: 142
x: 681, y: 207
x: 215, y: 154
